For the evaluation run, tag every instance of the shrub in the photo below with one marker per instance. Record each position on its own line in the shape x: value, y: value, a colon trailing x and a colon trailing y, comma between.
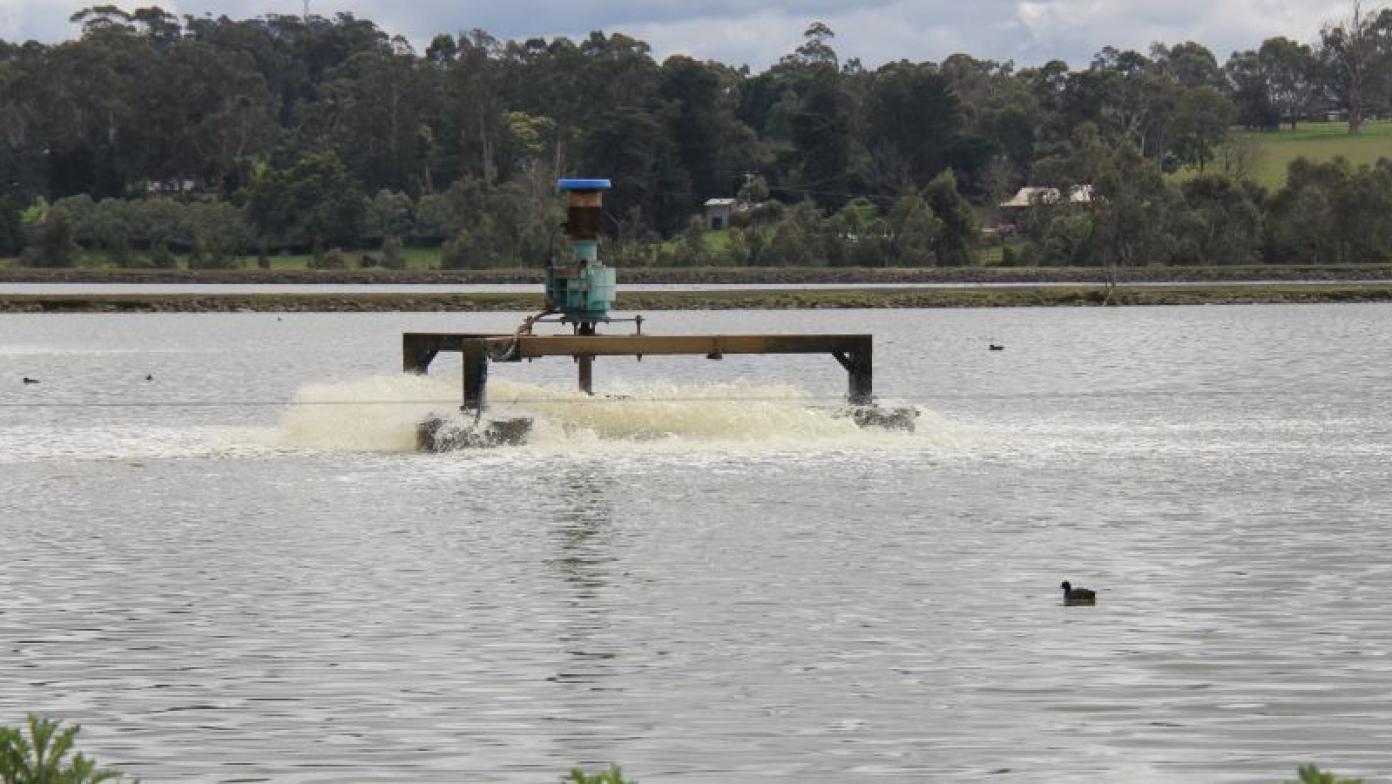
x: 161, y: 257
x: 388, y: 214
x: 433, y: 218
x: 160, y: 223
x: 612, y: 776
x: 956, y: 229
x: 198, y: 252
x: 79, y: 211
x: 108, y: 226
x: 693, y: 249
x: 470, y: 250
x: 53, y: 244
x: 43, y: 756
x: 11, y: 227
x: 220, y: 232
x: 1310, y: 774
x: 917, y: 231
x: 317, y: 198
x: 393, y: 253
x: 333, y: 259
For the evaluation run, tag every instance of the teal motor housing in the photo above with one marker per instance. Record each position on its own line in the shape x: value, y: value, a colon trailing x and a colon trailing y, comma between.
x: 583, y: 293
x: 579, y: 286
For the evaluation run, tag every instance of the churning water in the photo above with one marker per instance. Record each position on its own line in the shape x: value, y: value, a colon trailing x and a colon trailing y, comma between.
x: 380, y: 414
x: 239, y: 571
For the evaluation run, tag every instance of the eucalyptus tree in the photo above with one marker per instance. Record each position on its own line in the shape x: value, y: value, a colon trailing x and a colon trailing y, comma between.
x: 690, y: 94
x: 1249, y: 88
x: 999, y: 119
x: 1354, y: 54
x: 91, y: 115
x: 1200, y: 124
x: 1189, y: 64
x: 373, y: 109
x: 271, y: 43
x: 470, y: 119
x: 1291, y: 72
x: 208, y: 117
x: 914, y: 120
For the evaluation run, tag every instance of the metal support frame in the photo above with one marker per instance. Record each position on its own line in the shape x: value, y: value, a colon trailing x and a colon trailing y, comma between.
x: 855, y: 353
x: 586, y: 329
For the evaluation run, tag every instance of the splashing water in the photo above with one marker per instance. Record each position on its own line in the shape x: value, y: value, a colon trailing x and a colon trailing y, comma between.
x: 378, y: 414
x: 381, y: 414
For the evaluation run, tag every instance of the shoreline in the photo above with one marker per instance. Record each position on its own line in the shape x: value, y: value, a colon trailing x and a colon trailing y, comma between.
x: 849, y: 276
x: 830, y: 299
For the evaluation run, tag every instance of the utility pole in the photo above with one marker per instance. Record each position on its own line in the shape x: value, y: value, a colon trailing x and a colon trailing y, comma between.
x: 306, y: 12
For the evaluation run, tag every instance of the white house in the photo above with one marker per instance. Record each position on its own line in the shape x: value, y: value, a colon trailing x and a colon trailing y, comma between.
x: 718, y: 213
x: 1034, y: 196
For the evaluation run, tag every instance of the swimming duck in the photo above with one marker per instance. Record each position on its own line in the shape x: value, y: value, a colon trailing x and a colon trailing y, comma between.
x: 28, y: 380
x: 1077, y: 596
x: 994, y: 347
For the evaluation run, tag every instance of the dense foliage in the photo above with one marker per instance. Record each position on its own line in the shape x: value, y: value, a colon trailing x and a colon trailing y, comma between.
x: 45, y: 756
x: 152, y: 136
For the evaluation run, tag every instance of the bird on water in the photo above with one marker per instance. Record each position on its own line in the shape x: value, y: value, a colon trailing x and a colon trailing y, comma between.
x: 1077, y: 596
x: 28, y: 380
x: 995, y: 347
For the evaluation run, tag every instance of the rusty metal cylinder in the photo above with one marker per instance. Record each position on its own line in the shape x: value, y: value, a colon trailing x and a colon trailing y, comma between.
x: 585, y: 215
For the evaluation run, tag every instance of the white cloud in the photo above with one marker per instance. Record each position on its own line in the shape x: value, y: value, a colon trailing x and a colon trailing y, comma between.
x: 737, y: 31
x: 1078, y: 26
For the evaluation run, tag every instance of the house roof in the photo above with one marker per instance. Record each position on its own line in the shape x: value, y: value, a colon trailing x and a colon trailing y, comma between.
x: 1028, y: 197
x: 721, y: 202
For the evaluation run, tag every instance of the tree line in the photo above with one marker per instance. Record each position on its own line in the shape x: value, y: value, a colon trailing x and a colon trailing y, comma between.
x: 152, y: 135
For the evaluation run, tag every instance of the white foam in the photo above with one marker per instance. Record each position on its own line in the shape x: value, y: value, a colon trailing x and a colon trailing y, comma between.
x: 75, y: 444
x: 380, y: 414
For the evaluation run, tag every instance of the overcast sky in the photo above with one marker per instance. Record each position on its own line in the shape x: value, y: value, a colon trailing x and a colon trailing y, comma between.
x: 756, y: 32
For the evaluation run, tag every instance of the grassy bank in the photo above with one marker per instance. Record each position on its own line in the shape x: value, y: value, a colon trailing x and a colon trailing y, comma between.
x: 967, y: 297
x: 848, y: 276
x: 1317, y: 142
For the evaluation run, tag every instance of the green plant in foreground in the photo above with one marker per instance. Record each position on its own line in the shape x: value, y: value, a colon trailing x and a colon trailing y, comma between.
x: 41, y: 757
x: 612, y: 776
x: 1310, y: 774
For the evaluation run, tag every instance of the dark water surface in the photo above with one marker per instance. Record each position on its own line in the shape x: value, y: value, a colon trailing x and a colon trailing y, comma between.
x: 700, y: 589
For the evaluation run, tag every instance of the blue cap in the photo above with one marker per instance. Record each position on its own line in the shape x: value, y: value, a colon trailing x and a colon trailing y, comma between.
x: 584, y: 185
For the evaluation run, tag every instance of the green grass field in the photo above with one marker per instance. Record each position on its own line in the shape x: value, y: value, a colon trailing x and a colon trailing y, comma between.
x: 1317, y: 142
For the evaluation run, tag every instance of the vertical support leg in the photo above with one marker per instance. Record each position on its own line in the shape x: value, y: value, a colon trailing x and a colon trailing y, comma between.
x: 860, y: 367
x: 475, y: 376
x: 586, y: 362
x: 417, y: 352
x: 587, y: 374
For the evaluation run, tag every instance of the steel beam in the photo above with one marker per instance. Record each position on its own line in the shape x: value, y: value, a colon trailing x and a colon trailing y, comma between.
x: 854, y: 352
x: 419, y: 349
x: 537, y: 346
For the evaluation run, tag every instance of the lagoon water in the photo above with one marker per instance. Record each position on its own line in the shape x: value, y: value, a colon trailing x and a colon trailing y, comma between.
x: 709, y: 580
